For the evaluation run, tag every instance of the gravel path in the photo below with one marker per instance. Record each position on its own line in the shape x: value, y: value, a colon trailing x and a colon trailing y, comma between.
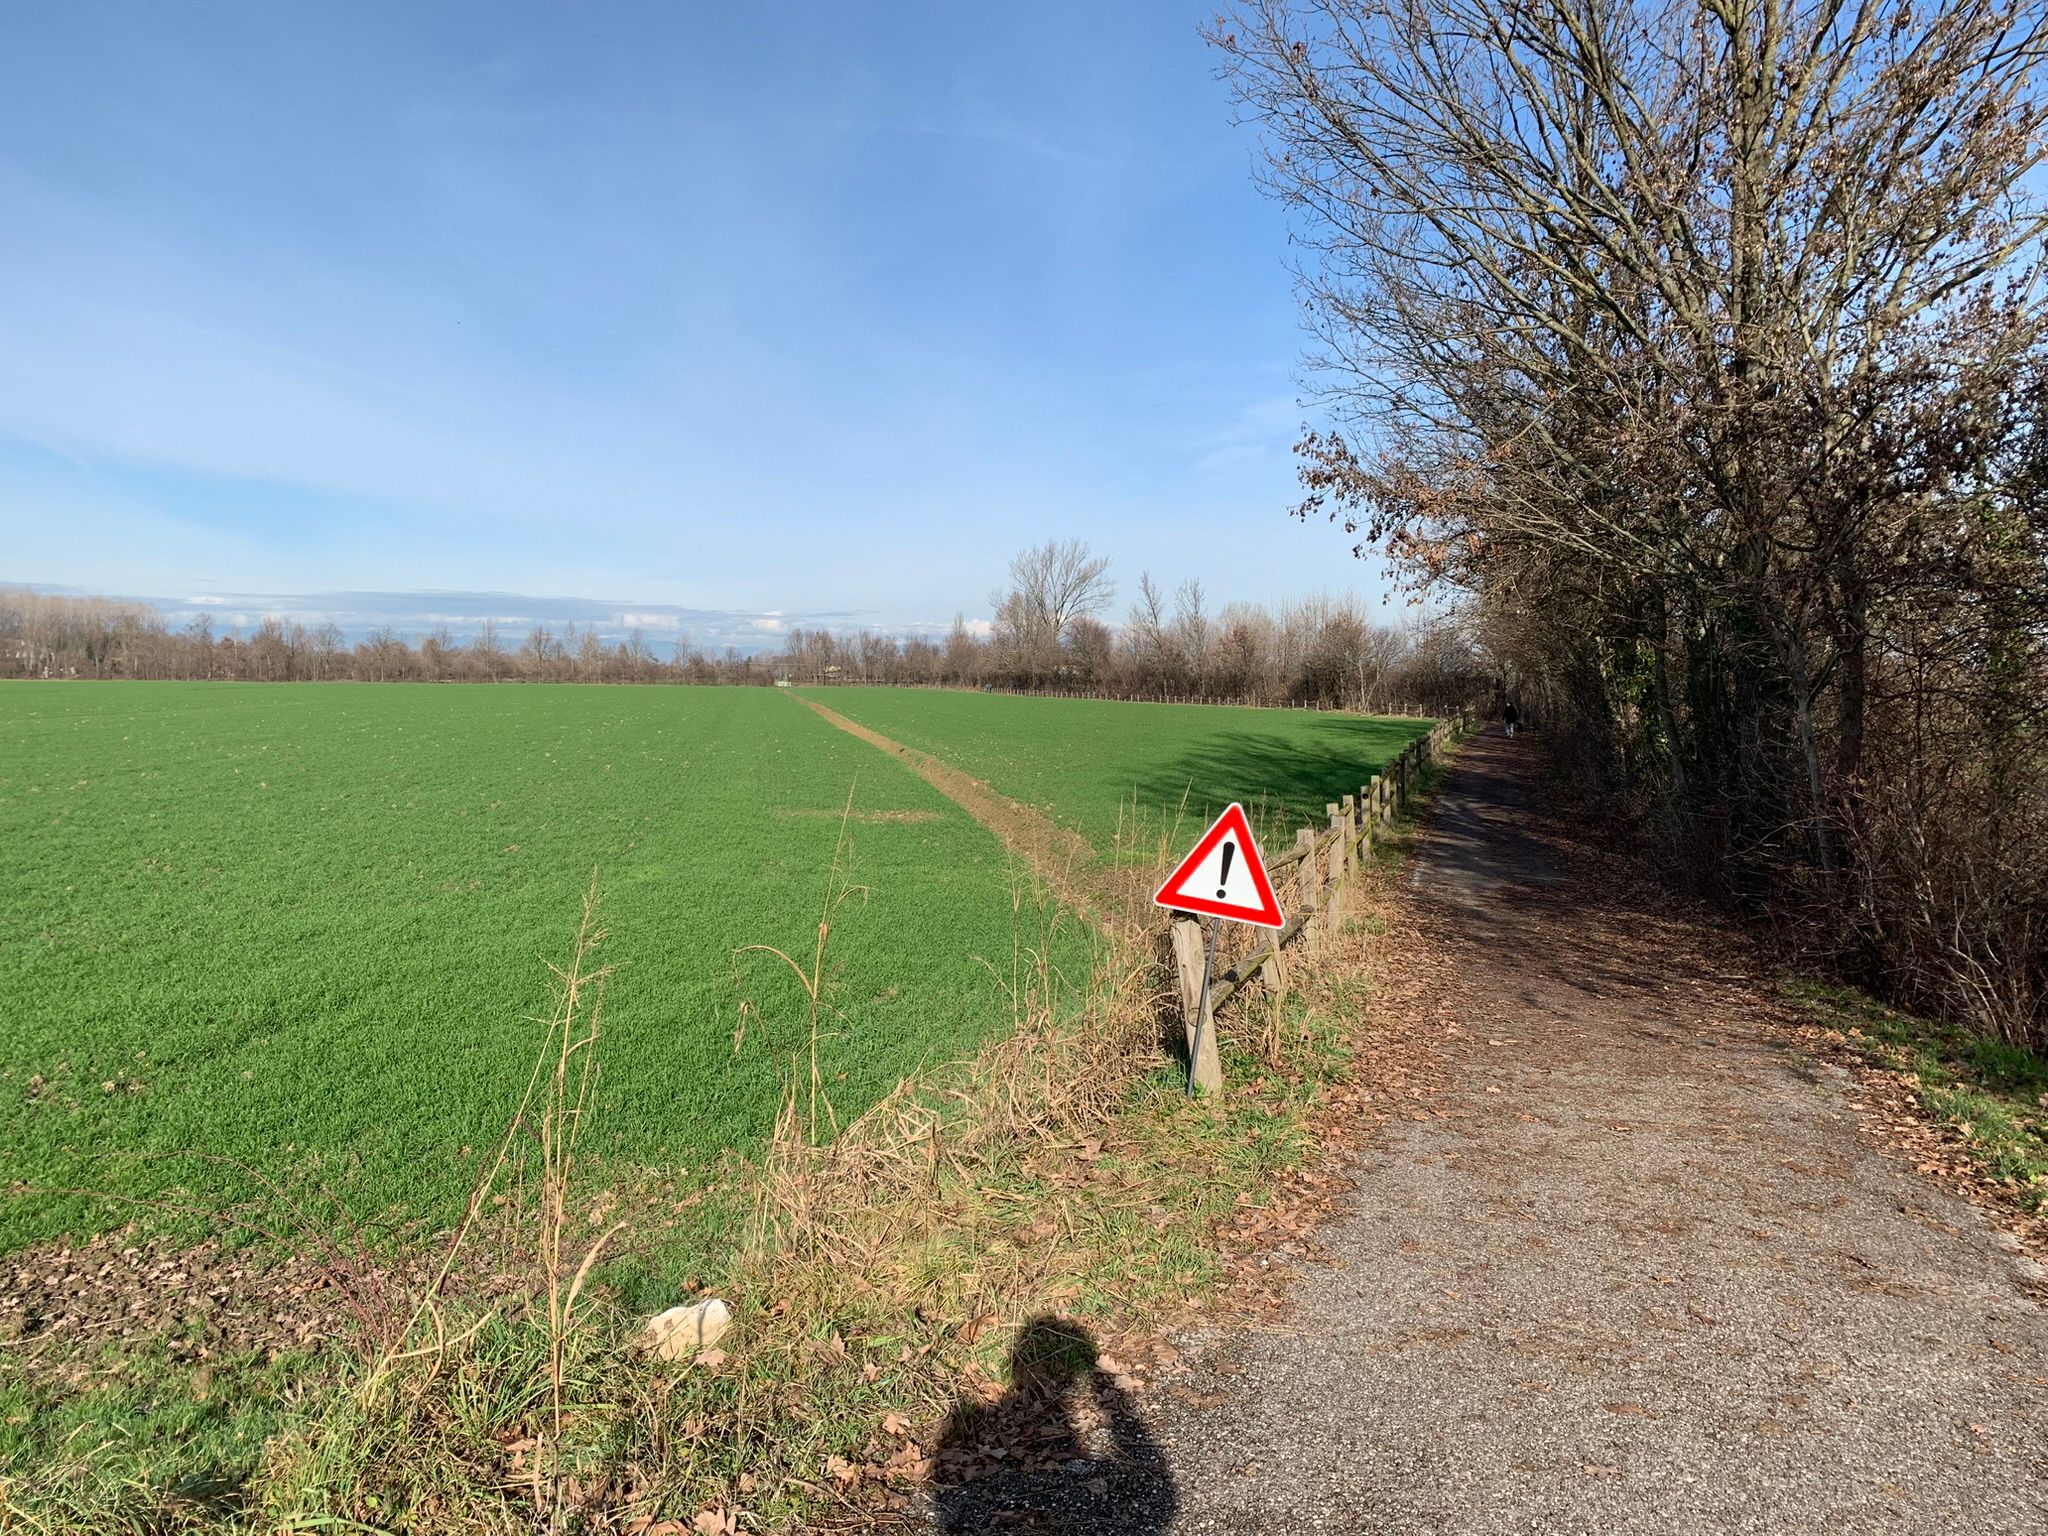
x: 1636, y: 1270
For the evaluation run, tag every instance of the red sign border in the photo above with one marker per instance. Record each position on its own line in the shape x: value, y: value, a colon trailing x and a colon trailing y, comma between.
x: 1233, y: 819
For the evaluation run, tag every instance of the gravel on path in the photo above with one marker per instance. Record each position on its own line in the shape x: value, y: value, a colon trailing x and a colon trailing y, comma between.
x: 1635, y: 1270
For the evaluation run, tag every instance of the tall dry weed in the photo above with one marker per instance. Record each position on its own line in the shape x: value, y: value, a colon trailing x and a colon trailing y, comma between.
x: 877, y: 1267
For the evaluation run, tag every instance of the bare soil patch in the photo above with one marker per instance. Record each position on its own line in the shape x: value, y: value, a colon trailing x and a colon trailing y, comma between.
x: 62, y: 1306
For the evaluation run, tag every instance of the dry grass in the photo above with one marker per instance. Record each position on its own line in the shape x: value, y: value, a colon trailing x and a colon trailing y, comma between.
x: 882, y: 1269
x: 884, y: 1266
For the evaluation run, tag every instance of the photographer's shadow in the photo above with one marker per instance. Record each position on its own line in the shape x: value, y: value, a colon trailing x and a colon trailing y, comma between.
x: 1062, y: 1451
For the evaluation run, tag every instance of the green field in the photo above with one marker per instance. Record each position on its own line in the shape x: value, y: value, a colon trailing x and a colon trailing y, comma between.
x: 311, y: 921
x: 307, y: 926
x: 1096, y: 766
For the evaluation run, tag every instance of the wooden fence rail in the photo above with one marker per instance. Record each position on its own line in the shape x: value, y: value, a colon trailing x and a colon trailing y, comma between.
x: 1310, y: 879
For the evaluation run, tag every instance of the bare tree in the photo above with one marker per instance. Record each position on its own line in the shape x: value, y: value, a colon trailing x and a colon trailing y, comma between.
x: 1686, y: 337
x: 1050, y: 587
x: 384, y: 656
x: 1191, y: 631
x: 438, y: 652
x: 1055, y: 584
x: 489, y: 649
x: 637, y: 657
x: 963, y: 652
x: 328, y: 645
x: 590, y: 658
x: 875, y: 655
x: 1090, y: 653
x: 538, y: 652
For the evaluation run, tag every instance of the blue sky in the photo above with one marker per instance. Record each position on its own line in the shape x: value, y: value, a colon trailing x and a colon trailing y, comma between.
x: 764, y: 312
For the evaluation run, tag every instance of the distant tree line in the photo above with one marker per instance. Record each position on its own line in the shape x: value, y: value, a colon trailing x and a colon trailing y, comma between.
x: 1702, y: 346
x: 47, y: 635
x: 1048, y: 634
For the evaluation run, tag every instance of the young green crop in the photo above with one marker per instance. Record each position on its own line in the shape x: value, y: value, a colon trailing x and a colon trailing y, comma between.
x: 306, y: 926
x: 1139, y: 771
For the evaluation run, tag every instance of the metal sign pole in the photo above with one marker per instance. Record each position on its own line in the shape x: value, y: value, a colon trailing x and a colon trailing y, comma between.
x: 1202, y: 1007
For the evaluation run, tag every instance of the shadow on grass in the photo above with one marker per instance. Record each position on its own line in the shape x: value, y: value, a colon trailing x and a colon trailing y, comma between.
x: 1285, y: 781
x: 1063, y: 1450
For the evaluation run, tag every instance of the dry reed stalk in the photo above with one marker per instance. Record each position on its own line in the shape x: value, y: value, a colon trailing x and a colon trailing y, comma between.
x: 962, y: 1200
x: 889, y: 1256
x: 785, y: 1177
x: 858, y: 1214
x: 554, y: 1111
x: 573, y: 1029
x: 844, y: 1206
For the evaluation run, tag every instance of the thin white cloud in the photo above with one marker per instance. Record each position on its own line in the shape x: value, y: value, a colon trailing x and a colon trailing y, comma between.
x: 1260, y: 429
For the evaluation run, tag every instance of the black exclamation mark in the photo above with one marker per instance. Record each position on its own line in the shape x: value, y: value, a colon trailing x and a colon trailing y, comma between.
x: 1229, y: 853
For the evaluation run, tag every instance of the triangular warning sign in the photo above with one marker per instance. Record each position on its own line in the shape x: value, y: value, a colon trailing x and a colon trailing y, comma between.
x: 1224, y: 876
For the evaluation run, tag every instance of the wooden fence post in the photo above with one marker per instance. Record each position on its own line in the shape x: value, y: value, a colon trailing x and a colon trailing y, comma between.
x: 1198, y: 1015
x: 1333, y: 902
x: 1353, y: 824
x: 1273, y: 974
x: 1311, y: 897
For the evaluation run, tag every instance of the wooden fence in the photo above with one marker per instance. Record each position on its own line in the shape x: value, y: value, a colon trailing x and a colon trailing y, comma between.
x: 1310, y: 880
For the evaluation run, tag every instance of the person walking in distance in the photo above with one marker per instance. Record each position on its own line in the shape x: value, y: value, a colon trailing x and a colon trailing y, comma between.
x: 1507, y: 716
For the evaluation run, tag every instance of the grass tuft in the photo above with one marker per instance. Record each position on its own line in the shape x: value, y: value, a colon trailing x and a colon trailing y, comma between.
x: 1994, y: 1094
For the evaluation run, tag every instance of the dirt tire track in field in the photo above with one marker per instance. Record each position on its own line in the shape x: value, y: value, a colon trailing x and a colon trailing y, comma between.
x: 1064, y: 860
